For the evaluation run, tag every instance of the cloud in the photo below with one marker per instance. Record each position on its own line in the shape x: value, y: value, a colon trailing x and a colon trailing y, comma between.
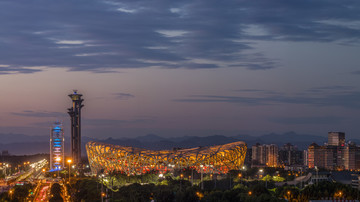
x: 257, y: 91
x: 307, y: 120
x: 98, y: 35
x: 6, y: 69
x: 356, y: 72
x: 223, y: 99
x: 320, y: 97
x: 124, y: 96
x: 41, y: 114
x: 331, y: 89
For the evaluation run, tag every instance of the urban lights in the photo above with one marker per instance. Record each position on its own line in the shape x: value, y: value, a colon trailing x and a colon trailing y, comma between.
x: 261, y: 171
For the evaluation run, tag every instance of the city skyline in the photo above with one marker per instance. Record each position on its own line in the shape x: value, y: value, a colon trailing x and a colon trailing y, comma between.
x: 181, y: 68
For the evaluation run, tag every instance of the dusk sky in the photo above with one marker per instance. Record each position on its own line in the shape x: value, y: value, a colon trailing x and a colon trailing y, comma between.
x: 173, y: 68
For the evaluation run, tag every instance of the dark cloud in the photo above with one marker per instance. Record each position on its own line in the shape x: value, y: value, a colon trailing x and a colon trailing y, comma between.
x: 356, y: 72
x: 257, y: 91
x: 307, y: 120
x: 224, y: 99
x: 124, y: 96
x: 346, y: 98
x: 41, y: 114
x: 17, y: 70
x: 100, y: 36
x: 331, y: 89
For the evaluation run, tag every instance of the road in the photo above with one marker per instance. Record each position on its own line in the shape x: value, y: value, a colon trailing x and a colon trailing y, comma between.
x: 42, y: 192
x: 35, y: 175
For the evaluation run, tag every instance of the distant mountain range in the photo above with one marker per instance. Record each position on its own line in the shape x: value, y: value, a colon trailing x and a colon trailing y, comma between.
x: 19, y: 144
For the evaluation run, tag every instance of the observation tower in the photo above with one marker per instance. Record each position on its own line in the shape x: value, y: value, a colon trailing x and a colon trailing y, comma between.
x: 75, y: 115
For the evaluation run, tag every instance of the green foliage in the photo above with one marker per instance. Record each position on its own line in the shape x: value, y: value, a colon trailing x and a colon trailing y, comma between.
x: 170, y: 189
x: 56, y: 191
x: 164, y: 182
x: 259, y: 189
x: 329, y: 189
x: 241, y: 187
x: 86, y: 189
x: 273, y: 178
x: 163, y: 194
x: 4, y: 196
x: 21, y: 191
x: 115, y: 180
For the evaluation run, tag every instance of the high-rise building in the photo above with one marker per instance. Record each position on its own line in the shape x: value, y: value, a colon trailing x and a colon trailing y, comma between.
x: 305, y: 157
x: 336, y: 139
x: 314, y: 155
x: 265, y: 155
x: 75, y: 115
x: 350, y: 151
x: 56, y: 147
x: 290, y: 155
x: 335, y: 155
x: 272, y: 152
x: 258, y: 154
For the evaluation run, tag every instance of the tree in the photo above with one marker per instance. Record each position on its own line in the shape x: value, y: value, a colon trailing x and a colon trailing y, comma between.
x: 56, y: 191
x: 21, y: 192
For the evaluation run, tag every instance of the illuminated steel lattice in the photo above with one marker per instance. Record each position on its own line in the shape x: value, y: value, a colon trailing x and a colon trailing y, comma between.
x: 130, y: 160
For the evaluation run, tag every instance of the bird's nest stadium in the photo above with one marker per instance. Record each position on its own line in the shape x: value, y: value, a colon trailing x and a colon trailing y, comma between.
x: 219, y: 159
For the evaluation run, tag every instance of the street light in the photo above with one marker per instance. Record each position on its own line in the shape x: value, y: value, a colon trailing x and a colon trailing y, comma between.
x: 102, y: 188
x: 317, y: 174
x: 11, y: 194
x: 202, y: 183
x: 289, y: 195
x: 181, y: 176
x: 69, y: 161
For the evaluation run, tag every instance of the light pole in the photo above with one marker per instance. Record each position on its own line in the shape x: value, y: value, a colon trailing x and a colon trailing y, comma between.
x: 192, y: 176
x: 202, y: 183
x: 230, y: 178
x: 261, y: 172
x: 240, y: 176
x: 102, y: 188
x: 69, y: 161
x: 317, y: 174
x: 181, y: 176
x: 289, y: 195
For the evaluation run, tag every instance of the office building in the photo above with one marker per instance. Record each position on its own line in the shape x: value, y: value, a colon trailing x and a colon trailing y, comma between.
x: 336, y: 139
